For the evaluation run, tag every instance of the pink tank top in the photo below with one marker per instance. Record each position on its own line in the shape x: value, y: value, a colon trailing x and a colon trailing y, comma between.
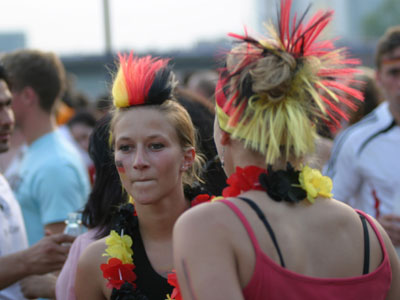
x: 273, y: 282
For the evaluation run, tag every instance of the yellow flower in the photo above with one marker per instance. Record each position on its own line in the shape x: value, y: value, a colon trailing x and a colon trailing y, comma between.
x: 119, y: 247
x: 316, y: 185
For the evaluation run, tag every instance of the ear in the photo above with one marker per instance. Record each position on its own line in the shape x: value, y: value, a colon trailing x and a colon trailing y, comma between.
x: 29, y: 96
x: 188, y: 158
x: 225, y: 138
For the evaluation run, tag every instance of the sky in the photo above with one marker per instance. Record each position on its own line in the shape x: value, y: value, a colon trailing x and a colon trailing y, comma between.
x: 76, y: 26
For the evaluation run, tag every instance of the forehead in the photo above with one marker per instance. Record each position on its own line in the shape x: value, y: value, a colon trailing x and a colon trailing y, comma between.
x: 392, y: 59
x: 5, y: 94
x: 143, y: 122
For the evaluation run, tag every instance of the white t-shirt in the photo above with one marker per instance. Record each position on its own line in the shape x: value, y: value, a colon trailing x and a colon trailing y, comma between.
x: 12, y: 233
x: 365, y: 164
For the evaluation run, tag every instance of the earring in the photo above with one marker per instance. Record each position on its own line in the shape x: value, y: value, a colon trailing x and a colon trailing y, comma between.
x: 222, y: 157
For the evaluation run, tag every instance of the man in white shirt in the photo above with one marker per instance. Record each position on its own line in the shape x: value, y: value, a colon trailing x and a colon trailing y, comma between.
x: 365, y: 159
x: 16, y: 259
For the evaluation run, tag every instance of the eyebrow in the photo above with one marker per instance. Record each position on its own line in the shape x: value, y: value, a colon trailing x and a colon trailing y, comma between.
x: 150, y: 137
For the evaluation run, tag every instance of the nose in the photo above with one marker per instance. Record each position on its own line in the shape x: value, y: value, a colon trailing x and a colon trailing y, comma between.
x: 140, y: 160
x: 6, y: 117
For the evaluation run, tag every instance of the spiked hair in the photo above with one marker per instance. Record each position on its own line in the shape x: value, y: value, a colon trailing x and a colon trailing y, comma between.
x: 274, y: 90
x: 141, y: 81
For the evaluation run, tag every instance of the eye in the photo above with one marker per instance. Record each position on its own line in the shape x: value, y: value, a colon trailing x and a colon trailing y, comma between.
x: 394, y: 72
x: 124, y: 148
x: 156, y: 146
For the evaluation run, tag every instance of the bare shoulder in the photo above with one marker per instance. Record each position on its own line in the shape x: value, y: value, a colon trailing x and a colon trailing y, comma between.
x: 93, y: 254
x: 202, y: 218
x: 89, y: 283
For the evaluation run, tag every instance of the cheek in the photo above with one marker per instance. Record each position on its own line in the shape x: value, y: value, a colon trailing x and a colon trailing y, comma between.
x: 122, y: 164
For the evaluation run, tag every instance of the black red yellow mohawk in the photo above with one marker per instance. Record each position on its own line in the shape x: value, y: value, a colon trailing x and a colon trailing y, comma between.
x: 141, y: 80
x: 317, y: 89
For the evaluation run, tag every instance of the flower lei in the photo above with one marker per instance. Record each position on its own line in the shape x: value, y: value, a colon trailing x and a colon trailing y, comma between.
x: 119, y: 269
x: 283, y: 185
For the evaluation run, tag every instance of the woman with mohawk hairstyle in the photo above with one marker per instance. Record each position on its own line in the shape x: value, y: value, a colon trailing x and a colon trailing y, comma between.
x: 154, y: 144
x: 277, y: 233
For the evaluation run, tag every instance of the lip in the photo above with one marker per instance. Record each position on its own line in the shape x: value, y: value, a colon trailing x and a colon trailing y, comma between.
x: 142, y: 180
x: 5, y: 136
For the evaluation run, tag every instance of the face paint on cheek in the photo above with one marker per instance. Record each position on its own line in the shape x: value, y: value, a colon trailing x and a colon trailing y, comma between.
x: 120, y: 167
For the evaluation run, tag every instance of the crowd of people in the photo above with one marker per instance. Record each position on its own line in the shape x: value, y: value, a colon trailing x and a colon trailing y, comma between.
x: 273, y: 177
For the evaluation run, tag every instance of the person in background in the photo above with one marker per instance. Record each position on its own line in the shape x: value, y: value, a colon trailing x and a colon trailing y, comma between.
x: 277, y: 233
x: 364, y: 160
x: 16, y: 259
x: 53, y: 181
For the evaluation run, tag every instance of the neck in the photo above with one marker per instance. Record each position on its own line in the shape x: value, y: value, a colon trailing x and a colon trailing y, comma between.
x: 157, y: 220
x: 394, y: 109
x: 36, y: 125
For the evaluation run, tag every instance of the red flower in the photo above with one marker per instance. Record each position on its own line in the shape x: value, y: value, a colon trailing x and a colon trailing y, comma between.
x: 201, y: 198
x: 244, y: 179
x: 118, y: 273
x: 173, y: 280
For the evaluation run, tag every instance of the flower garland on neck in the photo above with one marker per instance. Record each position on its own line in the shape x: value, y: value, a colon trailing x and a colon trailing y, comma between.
x: 119, y: 269
x: 287, y: 185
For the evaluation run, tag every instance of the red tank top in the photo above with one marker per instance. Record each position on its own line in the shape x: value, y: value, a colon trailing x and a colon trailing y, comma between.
x: 273, y: 282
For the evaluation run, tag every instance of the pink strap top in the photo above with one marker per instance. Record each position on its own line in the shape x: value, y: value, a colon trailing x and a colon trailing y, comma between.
x: 273, y: 282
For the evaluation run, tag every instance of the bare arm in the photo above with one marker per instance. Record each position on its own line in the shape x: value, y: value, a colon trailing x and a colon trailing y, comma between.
x: 36, y: 286
x: 55, y: 227
x: 203, y: 258
x: 394, y: 292
x: 89, y: 282
x: 45, y: 256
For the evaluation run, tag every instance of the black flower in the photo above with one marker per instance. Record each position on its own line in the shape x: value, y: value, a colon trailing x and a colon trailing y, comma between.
x: 283, y: 185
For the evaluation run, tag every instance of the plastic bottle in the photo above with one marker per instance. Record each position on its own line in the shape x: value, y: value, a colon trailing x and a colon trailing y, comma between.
x: 73, y: 224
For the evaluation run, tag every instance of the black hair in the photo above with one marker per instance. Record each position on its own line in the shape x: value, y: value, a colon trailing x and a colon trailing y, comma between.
x: 107, y: 193
x: 82, y: 117
x: 4, y: 76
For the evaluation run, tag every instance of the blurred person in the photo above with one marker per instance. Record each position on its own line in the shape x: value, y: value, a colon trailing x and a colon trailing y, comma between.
x: 103, y: 105
x: 53, y: 180
x: 366, y: 82
x: 364, y: 160
x: 203, y: 83
x: 10, y: 161
x: 16, y: 259
x: 278, y: 234
x: 104, y: 200
x: 81, y: 126
x: 154, y: 144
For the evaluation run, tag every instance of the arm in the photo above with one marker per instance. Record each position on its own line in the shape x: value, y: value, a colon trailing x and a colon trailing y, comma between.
x: 344, y: 172
x: 36, y: 286
x: 89, y: 281
x: 391, y: 223
x: 394, y: 291
x: 45, y: 256
x: 59, y: 190
x: 203, y: 256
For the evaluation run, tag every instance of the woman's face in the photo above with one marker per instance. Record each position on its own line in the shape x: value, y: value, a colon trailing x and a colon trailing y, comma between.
x: 148, y: 155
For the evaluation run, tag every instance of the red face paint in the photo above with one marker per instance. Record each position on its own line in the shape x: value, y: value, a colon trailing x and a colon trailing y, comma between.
x: 120, y: 167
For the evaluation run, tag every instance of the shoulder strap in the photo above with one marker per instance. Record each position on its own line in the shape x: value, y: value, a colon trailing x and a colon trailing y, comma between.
x: 245, y: 223
x: 377, y: 232
x: 366, y: 244
x: 262, y: 217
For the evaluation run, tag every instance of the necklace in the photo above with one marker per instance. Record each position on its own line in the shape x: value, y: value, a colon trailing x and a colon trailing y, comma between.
x: 120, y: 268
